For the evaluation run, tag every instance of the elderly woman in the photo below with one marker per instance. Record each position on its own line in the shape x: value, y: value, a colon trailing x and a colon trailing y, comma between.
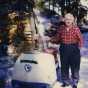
x: 70, y: 39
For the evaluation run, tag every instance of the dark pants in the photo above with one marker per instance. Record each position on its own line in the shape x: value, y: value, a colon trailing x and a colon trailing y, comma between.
x: 70, y: 58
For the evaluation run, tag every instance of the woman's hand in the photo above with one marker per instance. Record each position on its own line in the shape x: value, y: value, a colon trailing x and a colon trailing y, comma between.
x: 36, y: 37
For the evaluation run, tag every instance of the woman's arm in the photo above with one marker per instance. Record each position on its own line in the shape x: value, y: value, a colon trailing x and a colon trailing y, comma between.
x: 80, y: 38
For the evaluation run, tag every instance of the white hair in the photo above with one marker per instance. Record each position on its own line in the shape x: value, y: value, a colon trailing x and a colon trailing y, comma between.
x: 69, y: 16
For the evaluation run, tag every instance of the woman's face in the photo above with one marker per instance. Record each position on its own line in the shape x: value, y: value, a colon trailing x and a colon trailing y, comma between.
x: 69, y: 20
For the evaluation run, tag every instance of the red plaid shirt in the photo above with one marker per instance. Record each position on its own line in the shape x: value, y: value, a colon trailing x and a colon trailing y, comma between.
x: 71, y: 36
